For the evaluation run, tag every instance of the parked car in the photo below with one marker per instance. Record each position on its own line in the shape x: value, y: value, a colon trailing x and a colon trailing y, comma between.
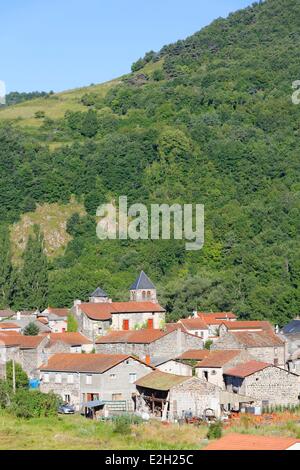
x: 66, y: 409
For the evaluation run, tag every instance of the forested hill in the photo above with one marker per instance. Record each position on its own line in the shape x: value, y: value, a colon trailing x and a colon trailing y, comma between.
x: 206, y: 120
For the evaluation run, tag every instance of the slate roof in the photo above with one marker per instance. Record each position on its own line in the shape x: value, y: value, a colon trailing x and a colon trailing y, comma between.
x: 142, y: 282
x: 247, y: 368
x: 251, y: 442
x: 99, y: 293
x: 158, y: 380
x: 292, y: 327
x: 90, y: 363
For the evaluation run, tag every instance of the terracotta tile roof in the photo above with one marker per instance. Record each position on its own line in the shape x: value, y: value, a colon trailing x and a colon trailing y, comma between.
x: 193, y: 324
x: 194, y: 355
x: 219, y: 358
x: 158, y: 380
x: 60, y: 312
x: 8, y: 325
x: 103, y: 311
x: 73, y: 339
x: 24, y: 342
x: 6, y: 313
x: 216, y: 317
x: 248, y: 325
x: 90, y: 363
x: 252, y: 442
x: 43, y: 320
x: 248, y: 368
x: 173, y: 326
x: 257, y: 339
x: 144, y: 336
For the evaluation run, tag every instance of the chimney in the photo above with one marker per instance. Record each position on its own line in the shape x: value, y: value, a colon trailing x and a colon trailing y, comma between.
x: 195, y: 314
x: 18, y: 315
x: 76, y: 304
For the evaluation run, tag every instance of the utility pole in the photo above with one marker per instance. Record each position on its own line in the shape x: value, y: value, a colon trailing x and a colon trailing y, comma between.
x: 14, y: 375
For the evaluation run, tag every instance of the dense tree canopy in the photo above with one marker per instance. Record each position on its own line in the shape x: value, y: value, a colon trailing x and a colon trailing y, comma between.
x: 213, y: 124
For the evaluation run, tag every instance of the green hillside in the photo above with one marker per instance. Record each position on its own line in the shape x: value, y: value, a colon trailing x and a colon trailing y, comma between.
x: 206, y: 120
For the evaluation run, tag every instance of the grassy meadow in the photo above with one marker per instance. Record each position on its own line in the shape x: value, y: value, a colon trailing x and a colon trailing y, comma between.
x: 77, y: 433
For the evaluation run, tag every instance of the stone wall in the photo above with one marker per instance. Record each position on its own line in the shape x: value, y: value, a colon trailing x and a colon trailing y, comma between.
x: 273, y: 385
x: 170, y: 345
x: 195, y: 395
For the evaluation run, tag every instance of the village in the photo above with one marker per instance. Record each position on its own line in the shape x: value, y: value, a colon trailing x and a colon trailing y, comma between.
x: 125, y: 358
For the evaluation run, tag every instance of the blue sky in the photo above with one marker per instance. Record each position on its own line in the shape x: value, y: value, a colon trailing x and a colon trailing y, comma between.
x: 58, y: 45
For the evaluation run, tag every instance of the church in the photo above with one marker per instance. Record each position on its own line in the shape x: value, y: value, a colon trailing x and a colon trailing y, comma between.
x: 101, y: 315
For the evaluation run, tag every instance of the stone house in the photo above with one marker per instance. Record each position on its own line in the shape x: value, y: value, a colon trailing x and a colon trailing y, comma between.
x: 170, y: 396
x: 101, y: 315
x: 291, y: 335
x: 28, y: 351
x: 212, y: 367
x: 264, y: 345
x: 74, y: 342
x: 214, y: 320
x: 244, y: 326
x: 195, y: 326
x: 149, y: 344
x: 266, y: 383
x: 97, y: 319
x: 55, y: 318
x: 79, y: 378
x: 174, y: 366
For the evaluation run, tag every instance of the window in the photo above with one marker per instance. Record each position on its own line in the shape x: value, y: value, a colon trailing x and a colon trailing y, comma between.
x: 132, y: 378
x: 46, y: 378
x: 88, y: 380
x: 276, y: 352
x: 116, y: 396
x: 112, y: 376
x: 58, y: 378
x: 213, y: 372
x: 70, y: 379
x: 67, y: 398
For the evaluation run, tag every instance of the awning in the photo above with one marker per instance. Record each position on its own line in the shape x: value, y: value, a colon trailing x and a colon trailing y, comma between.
x: 93, y: 403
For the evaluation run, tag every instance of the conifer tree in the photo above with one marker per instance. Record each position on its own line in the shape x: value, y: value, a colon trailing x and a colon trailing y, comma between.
x: 33, y: 277
x: 5, y: 267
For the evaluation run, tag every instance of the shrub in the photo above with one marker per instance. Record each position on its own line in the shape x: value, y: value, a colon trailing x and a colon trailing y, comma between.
x: 34, y: 404
x: 20, y: 375
x: 122, y: 423
x: 5, y: 394
x: 215, y: 431
x: 31, y: 329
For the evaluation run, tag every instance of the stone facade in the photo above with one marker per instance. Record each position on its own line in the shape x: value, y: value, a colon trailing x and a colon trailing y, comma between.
x: 116, y: 383
x: 272, y: 354
x: 214, y: 375
x: 195, y: 395
x: 169, y: 345
x: 272, y: 386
